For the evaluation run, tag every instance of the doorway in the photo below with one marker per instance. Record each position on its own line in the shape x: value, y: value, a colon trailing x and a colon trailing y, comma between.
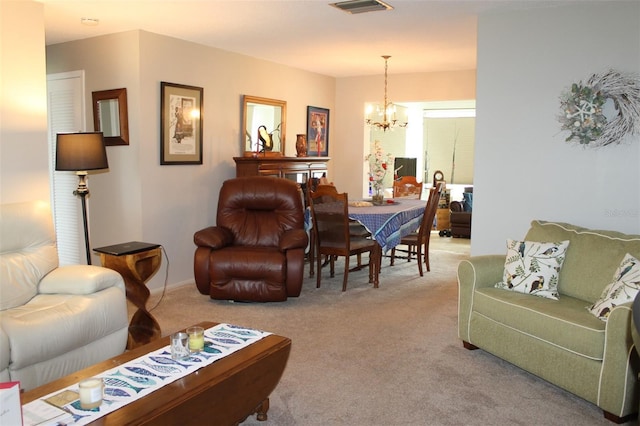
x: 445, y: 141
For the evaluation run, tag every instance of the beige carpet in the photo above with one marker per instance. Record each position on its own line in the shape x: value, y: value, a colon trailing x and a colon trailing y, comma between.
x: 386, y: 356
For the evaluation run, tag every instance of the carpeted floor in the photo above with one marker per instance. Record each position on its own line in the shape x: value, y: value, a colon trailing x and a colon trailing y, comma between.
x: 386, y: 356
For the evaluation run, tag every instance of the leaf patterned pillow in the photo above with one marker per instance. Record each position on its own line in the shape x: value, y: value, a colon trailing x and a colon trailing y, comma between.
x: 533, y: 267
x: 622, y: 289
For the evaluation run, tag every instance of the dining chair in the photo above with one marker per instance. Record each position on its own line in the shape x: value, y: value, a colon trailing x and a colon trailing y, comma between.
x: 407, y: 187
x: 356, y: 229
x: 332, y: 236
x: 418, y: 242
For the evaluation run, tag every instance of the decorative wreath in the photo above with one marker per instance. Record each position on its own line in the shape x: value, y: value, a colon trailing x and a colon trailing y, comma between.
x: 582, y: 109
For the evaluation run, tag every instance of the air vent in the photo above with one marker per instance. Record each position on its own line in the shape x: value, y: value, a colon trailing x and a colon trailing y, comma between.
x: 361, y: 6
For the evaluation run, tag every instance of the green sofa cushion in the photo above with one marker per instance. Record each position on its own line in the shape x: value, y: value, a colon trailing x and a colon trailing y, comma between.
x: 564, y: 323
x: 592, y: 257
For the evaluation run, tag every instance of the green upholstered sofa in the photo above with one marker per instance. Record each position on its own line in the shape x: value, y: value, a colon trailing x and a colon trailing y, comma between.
x: 559, y: 340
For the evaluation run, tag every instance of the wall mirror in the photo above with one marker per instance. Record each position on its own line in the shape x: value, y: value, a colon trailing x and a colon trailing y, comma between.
x: 264, y: 123
x: 110, y: 116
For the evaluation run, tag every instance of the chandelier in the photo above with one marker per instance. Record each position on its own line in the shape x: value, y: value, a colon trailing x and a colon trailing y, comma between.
x: 388, y: 111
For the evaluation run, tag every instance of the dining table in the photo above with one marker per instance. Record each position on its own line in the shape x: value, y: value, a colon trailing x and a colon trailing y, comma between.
x: 387, y: 223
x: 391, y: 221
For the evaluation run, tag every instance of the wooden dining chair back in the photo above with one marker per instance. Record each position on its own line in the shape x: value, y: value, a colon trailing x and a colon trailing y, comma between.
x: 418, y: 242
x: 356, y: 229
x: 407, y: 187
x: 332, y: 237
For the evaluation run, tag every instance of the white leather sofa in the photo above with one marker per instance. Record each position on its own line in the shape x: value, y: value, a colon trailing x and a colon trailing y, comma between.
x: 54, y: 320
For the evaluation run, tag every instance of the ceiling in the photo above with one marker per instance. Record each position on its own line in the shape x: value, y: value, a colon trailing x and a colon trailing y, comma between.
x: 420, y: 35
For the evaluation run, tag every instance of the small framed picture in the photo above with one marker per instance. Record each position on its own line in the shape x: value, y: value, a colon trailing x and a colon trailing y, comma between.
x: 317, y: 132
x: 180, y: 124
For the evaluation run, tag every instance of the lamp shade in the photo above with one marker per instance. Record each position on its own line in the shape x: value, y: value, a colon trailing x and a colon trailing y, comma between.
x: 80, y: 151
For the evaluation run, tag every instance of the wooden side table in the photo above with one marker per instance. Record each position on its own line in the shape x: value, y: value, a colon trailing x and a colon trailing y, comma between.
x: 136, y: 262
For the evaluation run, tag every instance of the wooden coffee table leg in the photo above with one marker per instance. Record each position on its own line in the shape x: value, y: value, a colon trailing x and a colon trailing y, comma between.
x: 261, y: 410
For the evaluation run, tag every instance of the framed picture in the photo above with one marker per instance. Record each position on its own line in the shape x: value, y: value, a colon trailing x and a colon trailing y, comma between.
x: 180, y: 124
x: 317, y: 132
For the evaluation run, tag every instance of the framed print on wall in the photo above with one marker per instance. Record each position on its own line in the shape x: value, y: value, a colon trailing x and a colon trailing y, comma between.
x: 180, y: 124
x: 317, y: 132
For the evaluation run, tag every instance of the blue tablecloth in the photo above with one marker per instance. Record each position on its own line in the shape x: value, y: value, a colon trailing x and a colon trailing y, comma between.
x: 389, y: 223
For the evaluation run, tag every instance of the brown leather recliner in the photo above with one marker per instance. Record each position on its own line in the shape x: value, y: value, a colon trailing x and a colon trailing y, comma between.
x: 256, y: 250
x: 460, y: 220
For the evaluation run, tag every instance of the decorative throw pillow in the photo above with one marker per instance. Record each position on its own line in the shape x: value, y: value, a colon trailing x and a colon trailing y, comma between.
x: 533, y: 267
x: 623, y: 288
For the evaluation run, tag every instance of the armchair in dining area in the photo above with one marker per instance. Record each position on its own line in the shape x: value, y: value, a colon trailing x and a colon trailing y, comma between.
x: 256, y: 250
x: 418, y: 242
x: 407, y: 187
x: 461, y: 214
x: 333, y: 236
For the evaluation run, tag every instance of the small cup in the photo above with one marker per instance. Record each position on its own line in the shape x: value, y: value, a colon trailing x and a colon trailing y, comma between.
x: 196, y: 339
x: 91, y: 391
x: 179, y: 345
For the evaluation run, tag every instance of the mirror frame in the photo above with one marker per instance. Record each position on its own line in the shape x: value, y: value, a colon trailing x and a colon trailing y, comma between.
x: 246, y: 145
x: 121, y: 96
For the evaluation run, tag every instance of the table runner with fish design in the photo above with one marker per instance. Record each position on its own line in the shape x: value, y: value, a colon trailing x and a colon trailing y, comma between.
x: 140, y: 377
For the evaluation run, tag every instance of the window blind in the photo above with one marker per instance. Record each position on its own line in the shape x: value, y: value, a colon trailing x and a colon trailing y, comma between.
x: 65, y: 104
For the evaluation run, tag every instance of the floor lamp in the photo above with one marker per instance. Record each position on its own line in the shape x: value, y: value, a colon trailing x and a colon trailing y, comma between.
x: 81, y: 152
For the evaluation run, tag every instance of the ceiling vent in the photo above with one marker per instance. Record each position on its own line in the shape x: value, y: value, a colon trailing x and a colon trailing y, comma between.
x: 361, y: 6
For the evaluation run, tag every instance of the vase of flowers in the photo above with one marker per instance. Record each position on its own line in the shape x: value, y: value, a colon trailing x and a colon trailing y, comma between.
x: 378, y: 163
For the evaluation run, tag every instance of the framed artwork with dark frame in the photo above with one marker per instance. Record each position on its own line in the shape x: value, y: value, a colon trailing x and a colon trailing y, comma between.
x: 180, y: 124
x: 317, y: 132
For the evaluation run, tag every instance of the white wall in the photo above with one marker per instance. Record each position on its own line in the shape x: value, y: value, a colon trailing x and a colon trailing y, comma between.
x: 23, y: 103
x: 524, y: 170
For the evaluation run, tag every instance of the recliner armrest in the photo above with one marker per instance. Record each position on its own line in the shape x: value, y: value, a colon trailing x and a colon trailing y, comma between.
x: 214, y: 237
x: 79, y: 279
x: 293, y: 239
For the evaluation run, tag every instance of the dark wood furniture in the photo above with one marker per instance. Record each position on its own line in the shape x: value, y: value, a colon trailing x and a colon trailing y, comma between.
x: 332, y: 235
x: 299, y: 169
x: 407, y: 187
x: 418, y: 242
x: 225, y: 392
x: 136, y: 268
x: 356, y: 229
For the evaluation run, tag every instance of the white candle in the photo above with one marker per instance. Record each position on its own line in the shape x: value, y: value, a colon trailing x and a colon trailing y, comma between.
x: 91, y: 393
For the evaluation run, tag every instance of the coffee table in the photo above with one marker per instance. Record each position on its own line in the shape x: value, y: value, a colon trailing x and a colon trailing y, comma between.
x: 225, y: 392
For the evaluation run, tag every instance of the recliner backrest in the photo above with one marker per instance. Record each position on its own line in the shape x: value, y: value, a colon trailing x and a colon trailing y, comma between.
x: 258, y: 210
